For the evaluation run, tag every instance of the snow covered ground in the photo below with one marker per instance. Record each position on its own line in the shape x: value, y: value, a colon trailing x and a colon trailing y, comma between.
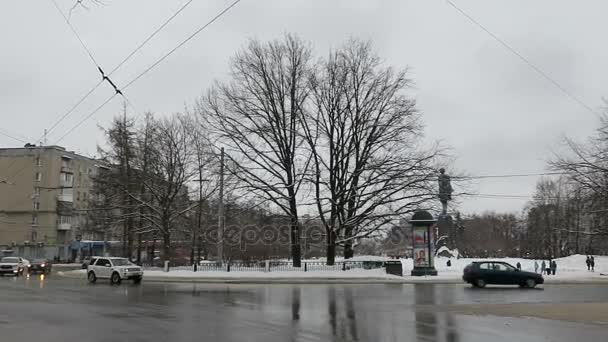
x: 570, y: 269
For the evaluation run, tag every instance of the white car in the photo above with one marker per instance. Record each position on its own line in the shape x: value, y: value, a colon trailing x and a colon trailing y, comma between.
x: 13, y: 265
x: 115, y: 269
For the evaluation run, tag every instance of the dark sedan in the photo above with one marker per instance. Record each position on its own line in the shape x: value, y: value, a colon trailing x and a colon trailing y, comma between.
x: 480, y: 274
x: 40, y: 266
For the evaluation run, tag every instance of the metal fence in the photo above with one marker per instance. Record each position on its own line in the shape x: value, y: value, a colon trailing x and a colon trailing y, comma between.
x: 279, y: 266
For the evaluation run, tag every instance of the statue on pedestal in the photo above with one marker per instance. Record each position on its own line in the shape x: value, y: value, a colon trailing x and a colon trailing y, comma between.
x: 445, y: 190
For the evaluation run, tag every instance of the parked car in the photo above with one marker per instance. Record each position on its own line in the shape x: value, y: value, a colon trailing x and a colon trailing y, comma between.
x: 40, y: 266
x: 480, y: 274
x: 115, y: 269
x: 13, y: 265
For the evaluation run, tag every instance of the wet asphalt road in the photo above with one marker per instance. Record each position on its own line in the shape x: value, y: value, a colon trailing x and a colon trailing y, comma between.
x: 58, y: 309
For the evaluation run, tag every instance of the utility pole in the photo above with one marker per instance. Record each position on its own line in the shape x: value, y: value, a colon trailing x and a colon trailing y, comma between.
x: 220, y: 222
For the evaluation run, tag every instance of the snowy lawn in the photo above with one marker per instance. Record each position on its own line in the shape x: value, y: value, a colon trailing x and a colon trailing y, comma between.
x: 569, y: 269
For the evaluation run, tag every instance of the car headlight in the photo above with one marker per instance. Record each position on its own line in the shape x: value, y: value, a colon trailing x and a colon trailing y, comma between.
x: 42, y: 265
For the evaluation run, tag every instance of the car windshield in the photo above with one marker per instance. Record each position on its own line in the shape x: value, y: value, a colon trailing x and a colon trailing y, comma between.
x: 10, y: 260
x: 39, y: 261
x: 121, y: 262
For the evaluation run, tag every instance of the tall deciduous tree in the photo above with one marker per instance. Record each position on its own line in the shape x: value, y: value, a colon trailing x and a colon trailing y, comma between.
x: 364, y: 134
x: 257, y: 116
x: 167, y: 178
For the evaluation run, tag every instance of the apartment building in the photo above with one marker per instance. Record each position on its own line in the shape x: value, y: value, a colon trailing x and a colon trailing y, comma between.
x: 44, y: 193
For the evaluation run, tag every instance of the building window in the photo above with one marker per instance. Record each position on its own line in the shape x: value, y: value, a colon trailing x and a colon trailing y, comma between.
x: 65, y: 219
x: 38, y: 161
x: 34, y: 220
x: 36, y: 191
x: 84, y: 196
x: 67, y: 177
x: 34, y: 236
x: 38, y: 176
x: 78, y: 195
x: 36, y: 205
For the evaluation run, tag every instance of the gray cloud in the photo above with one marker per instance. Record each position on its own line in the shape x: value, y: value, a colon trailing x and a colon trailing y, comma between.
x: 497, y: 114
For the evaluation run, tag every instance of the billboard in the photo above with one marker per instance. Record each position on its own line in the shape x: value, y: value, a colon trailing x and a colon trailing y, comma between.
x: 422, y: 247
x: 421, y: 257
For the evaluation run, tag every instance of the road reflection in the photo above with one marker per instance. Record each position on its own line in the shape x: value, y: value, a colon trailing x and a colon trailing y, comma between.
x: 432, y: 325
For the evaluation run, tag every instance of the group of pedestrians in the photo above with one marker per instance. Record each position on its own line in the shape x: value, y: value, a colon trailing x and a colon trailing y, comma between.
x: 546, y: 268
x: 590, y: 263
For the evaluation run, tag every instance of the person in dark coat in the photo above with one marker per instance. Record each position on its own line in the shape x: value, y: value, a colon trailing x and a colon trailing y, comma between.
x: 549, y: 264
x: 542, y: 267
x: 519, y: 265
x: 553, y: 267
x: 588, y: 262
x: 592, y: 264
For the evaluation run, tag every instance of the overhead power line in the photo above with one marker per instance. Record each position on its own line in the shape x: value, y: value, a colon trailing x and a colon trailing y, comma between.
x: 12, y: 137
x: 160, y: 28
x: 86, y: 118
x: 537, y: 69
x: 67, y: 21
x: 509, y: 175
x: 155, y: 64
x: 182, y: 43
x: 120, y: 64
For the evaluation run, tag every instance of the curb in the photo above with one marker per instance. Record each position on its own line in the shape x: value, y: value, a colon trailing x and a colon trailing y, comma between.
x: 317, y: 280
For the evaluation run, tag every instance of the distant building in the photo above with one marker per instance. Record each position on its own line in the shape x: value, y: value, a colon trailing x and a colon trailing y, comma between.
x: 44, y: 194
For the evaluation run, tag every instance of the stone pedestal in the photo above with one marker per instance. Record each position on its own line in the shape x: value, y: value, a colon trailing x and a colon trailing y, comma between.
x: 444, y: 236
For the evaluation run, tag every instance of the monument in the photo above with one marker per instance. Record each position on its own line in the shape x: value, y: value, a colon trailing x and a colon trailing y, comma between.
x: 444, y: 229
x: 445, y: 190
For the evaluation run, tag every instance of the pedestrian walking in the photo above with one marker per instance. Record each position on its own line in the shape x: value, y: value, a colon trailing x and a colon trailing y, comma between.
x: 553, y: 267
x: 588, y: 262
x: 535, y: 266
x: 592, y: 264
x: 549, y: 267
x: 542, y: 267
x: 519, y: 265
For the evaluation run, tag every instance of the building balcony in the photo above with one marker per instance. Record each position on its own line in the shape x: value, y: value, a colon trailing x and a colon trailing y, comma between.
x: 65, y: 198
x: 64, y: 226
x: 67, y: 169
x: 66, y: 184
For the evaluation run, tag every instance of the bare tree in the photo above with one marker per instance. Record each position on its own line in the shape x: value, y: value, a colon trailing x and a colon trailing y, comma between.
x: 257, y: 117
x: 586, y: 165
x: 167, y: 178
x: 205, y: 164
x: 363, y: 131
x: 115, y: 184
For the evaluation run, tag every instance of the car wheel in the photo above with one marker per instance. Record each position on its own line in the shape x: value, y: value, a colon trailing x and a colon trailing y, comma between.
x: 530, y: 283
x: 115, y: 279
x: 480, y: 283
x: 92, y: 277
x: 137, y: 280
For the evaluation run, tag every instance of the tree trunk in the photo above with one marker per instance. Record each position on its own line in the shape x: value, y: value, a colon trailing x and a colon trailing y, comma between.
x: 331, y: 248
x: 166, y: 246
x: 296, y: 253
x: 349, y: 251
x: 295, y: 244
x: 139, y: 248
x: 151, y: 257
x: 192, y: 247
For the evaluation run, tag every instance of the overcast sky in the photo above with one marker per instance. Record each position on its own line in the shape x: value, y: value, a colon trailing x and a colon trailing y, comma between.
x: 496, y: 113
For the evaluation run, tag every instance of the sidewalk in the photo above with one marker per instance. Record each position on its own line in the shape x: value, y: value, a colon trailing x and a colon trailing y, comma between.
x: 377, y: 276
